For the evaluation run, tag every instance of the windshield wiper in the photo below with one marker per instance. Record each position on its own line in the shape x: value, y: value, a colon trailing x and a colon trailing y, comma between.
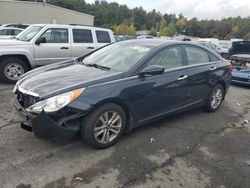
x: 97, y: 66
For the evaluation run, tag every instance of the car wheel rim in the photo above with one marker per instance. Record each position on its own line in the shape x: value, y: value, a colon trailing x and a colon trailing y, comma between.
x: 107, y: 127
x: 13, y: 71
x: 216, y: 98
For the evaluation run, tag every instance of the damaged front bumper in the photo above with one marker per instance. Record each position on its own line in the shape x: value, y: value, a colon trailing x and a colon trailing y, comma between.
x: 58, y: 126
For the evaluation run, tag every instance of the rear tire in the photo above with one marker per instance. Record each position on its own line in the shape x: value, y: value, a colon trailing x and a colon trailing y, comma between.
x: 104, y: 126
x: 11, y: 69
x: 215, y: 98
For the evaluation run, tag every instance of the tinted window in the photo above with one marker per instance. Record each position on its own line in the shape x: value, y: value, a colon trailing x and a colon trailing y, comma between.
x: 15, y: 31
x: 103, y: 37
x: 56, y: 35
x: 170, y: 57
x: 196, y: 55
x: 82, y: 36
x: 213, y: 58
x: 5, y: 32
x: 241, y: 47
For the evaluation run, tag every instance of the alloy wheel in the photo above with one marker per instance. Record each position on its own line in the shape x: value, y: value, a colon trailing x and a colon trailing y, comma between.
x: 107, y: 127
x: 216, y: 98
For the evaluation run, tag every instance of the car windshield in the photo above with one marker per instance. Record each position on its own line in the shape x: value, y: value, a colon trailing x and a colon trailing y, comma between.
x: 118, y: 56
x: 29, y: 33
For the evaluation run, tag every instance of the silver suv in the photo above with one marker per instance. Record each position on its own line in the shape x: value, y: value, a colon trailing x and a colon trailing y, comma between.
x: 40, y: 45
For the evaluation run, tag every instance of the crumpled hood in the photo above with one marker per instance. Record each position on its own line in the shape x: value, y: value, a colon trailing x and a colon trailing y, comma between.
x: 12, y: 42
x: 62, y: 77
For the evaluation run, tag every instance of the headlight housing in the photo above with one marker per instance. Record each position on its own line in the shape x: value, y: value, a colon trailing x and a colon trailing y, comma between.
x: 55, y: 103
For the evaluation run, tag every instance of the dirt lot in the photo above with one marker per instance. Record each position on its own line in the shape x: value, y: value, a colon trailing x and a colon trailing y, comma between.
x: 193, y: 149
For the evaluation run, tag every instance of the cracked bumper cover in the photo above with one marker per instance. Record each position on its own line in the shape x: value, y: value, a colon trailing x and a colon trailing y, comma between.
x: 45, y: 127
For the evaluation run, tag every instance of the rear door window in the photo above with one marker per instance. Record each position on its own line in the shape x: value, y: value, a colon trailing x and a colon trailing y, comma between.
x: 82, y: 36
x: 196, y: 55
x: 213, y: 58
x: 102, y: 37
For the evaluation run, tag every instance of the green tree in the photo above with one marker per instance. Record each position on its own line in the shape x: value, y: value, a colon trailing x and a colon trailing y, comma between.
x: 171, y: 30
x: 153, y: 31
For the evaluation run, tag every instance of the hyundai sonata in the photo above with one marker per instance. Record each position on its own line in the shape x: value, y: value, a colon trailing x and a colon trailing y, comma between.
x: 120, y: 87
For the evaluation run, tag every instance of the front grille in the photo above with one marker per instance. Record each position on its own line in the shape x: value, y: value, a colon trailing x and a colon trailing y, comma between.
x: 25, y: 100
x: 240, y: 79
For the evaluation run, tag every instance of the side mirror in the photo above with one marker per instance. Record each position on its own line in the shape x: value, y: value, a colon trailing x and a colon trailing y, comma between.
x: 152, y: 70
x: 40, y: 40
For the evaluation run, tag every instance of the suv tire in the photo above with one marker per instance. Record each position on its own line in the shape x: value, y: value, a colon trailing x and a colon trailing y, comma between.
x: 11, y: 69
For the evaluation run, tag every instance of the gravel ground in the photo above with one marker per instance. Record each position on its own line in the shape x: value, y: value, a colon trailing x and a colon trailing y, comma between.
x: 192, y: 149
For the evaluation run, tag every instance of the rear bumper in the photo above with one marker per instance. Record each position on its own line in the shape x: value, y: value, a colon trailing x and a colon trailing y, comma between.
x: 45, y: 127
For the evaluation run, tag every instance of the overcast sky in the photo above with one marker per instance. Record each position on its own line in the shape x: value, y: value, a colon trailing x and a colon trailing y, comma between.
x: 201, y: 9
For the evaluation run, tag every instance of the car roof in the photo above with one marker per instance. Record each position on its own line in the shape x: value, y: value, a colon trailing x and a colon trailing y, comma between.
x: 69, y: 26
x: 11, y: 28
x: 155, y: 42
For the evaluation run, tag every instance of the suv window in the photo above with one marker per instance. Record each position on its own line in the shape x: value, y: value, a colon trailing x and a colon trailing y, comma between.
x: 5, y: 32
x: 82, y: 36
x: 170, y: 57
x: 241, y: 47
x: 103, y: 37
x: 56, y: 35
x: 16, y: 31
x: 196, y: 55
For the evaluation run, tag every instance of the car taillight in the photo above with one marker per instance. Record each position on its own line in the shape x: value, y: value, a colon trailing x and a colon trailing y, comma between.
x: 230, y: 67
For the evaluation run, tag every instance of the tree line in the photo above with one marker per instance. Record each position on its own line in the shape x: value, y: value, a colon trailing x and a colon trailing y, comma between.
x: 126, y: 21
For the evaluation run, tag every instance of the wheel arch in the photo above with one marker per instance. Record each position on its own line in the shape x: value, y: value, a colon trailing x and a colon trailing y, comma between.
x: 19, y: 56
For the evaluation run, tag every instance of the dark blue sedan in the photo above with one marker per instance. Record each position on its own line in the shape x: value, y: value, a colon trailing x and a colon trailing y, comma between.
x: 119, y: 87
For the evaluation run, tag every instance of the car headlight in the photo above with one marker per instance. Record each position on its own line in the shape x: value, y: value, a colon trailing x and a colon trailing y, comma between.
x: 55, y: 103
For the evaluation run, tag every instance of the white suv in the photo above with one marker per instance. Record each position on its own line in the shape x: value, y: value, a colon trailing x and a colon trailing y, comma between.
x: 40, y: 45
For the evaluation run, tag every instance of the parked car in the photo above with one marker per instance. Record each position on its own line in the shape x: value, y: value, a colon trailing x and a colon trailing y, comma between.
x: 20, y: 26
x: 240, y: 47
x: 181, y: 38
x: 45, y: 44
x: 9, y: 32
x: 241, y: 71
x: 119, y: 38
x: 145, y: 37
x: 210, y: 46
x: 119, y: 87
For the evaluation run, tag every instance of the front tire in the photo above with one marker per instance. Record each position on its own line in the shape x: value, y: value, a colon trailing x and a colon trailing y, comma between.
x: 11, y: 69
x: 104, y: 126
x: 215, y: 98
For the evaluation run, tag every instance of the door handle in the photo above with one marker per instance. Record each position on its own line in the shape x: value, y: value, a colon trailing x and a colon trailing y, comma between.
x: 90, y: 47
x: 213, y: 68
x: 182, y: 77
x: 64, y: 48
